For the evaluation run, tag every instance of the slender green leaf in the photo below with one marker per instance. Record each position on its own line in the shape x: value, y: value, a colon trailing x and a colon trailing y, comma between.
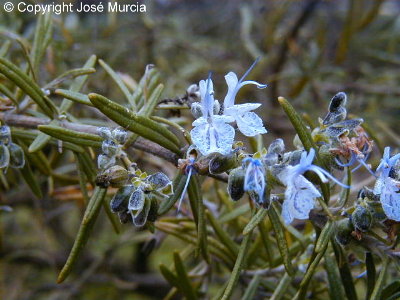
x: 89, y: 218
x: 345, y: 273
x: 336, y: 290
x: 222, y: 234
x: 371, y: 273
x: 376, y: 293
x: 258, y: 217
x: 68, y: 135
x: 70, y: 74
x: 251, y: 290
x: 31, y: 180
x: 73, y: 96
x: 77, y: 84
x: 240, y: 261
x: 280, y: 238
x: 138, y: 124
x: 178, y: 184
x: 183, y: 279
x: 117, y: 79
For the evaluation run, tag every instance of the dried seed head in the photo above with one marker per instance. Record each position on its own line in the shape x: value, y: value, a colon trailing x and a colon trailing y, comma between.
x: 222, y: 163
x: 4, y: 156
x: 236, y: 183
x: 343, y: 231
x: 152, y: 216
x: 119, y: 202
x: 140, y: 217
x: 115, y: 176
x: 125, y: 216
x: 361, y: 218
x: 5, y: 134
x: 337, y: 101
x: 17, y: 156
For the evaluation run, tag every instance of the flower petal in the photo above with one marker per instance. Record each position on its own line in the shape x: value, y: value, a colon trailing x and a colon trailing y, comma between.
x: 250, y: 124
x: 200, y: 121
x: 120, y: 200
x: 300, y: 195
x: 286, y: 212
x: 207, y: 97
x: 136, y: 201
x: 232, y: 83
x: 210, y: 138
x: 240, y: 109
x: 390, y: 198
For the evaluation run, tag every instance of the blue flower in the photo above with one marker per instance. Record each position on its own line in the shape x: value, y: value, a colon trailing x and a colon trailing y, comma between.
x: 387, y: 162
x: 254, y: 179
x: 248, y: 122
x: 300, y: 193
x: 211, y: 132
x: 387, y: 187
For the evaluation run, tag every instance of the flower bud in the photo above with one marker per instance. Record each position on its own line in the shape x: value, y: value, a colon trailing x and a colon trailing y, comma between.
x: 109, y: 147
x: 236, y: 183
x: 4, y: 156
x: 196, y: 110
x: 17, y: 156
x: 104, y: 132
x: 277, y: 146
x: 104, y: 161
x: 361, y: 218
x: 292, y: 158
x: 119, y: 202
x: 120, y: 135
x: 193, y: 91
x: 222, y: 163
x: 343, y: 229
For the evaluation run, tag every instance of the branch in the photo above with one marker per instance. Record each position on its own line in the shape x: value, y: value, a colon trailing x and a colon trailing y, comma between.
x: 140, y: 143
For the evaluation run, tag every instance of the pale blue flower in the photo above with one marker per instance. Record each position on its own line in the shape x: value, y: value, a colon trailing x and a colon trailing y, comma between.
x: 254, y: 179
x: 247, y: 121
x: 388, y: 188
x: 299, y: 199
x: 211, y: 132
x: 387, y: 162
x: 300, y: 193
x: 390, y: 198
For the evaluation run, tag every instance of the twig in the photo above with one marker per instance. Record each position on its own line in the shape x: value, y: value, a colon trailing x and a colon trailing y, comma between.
x: 140, y: 144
